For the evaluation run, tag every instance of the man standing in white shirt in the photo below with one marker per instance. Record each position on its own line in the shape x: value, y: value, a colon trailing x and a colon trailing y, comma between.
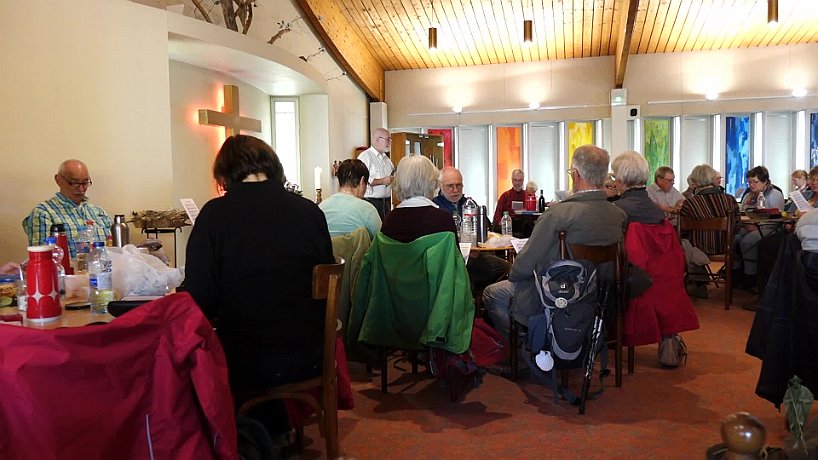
x: 379, y: 189
x: 664, y: 195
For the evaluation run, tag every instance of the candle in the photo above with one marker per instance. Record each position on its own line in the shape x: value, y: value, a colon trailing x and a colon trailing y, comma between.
x: 318, y: 177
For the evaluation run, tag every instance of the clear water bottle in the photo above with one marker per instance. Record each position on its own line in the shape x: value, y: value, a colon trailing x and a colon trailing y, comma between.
x: 505, y: 224
x: 457, y: 221
x: 99, y: 274
x: 84, y: 244
x: 761, y: 203
x: 468, y: 232
x: 58, y: 255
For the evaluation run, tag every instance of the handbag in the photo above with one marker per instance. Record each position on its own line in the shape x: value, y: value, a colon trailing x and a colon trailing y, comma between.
x: 672, y: 351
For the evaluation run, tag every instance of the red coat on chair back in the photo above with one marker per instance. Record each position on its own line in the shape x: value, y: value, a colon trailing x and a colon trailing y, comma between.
x: 150, y: 384
x: 665, y: 307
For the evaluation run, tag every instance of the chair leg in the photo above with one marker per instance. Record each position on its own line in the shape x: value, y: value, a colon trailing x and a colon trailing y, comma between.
x: 513, y: 339
x: 413, y: 358
x: 618, y: 346
x: 331, y: 422
x: 382, y: 361
x: 631, y: 359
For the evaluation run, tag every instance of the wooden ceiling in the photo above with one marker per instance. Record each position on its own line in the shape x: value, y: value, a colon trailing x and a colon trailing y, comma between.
x: 476, y: 32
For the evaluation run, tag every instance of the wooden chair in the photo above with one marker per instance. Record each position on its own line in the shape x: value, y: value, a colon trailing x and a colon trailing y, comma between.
x: 326, y: 284
x: 725, y: 273
x: 597, y: 255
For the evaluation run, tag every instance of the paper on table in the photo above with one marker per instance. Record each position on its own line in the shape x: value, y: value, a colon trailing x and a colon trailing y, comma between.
x: 190, y: 208
x: 800, y: 202
x: 465, y: 248
x: 518, y: 243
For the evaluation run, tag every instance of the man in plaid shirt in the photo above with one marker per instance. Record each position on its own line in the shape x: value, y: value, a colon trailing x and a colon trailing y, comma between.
x: 69, y: 206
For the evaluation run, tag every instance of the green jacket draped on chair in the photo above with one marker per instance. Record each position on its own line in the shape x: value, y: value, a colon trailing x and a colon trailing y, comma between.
x: 413, y: 295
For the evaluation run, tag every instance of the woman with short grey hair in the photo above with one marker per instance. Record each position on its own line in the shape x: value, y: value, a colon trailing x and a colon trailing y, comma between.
x: 704, y: 176
x: 631, y: 172
x: 416, y: 182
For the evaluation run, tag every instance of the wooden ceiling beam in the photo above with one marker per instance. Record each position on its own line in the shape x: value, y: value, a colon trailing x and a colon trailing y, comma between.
x: 627, y: 18
x: 354, y: 56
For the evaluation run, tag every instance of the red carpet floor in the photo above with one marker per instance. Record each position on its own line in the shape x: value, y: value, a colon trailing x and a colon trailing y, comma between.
x: 657, y: 414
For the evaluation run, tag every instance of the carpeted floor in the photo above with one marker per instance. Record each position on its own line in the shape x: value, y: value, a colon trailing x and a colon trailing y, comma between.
x: 657, y: 414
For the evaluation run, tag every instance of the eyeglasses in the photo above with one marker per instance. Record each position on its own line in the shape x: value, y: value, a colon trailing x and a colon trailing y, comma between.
x: 570, y: 171
x: 753, y: 181
x: 453, y: 186
x: 387, y: 139
x: 75, y: 184
x: 671, y: 180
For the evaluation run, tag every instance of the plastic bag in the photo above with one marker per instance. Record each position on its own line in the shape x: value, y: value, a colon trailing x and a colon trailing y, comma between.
x: 136, y: 273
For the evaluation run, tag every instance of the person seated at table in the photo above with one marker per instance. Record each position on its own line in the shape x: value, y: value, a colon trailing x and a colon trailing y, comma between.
x: 346, y: 210
x: 249, y: 267
x: 611, y: 191
x: 691, y: 188
x: 587, y: 218
x: 809, y: 190
x: 70, y: 206
x: 708, y: 201
x: 531, y: 188
x: 749, y: 235
x: 416, y: 215
x: 483, y: 268
x: 651, y: 244
x: 515, y: 193
x: 807, y: 231
x: 664, y: 194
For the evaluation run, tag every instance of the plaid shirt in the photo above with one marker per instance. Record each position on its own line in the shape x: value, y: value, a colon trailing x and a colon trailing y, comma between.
x: 60, y: 209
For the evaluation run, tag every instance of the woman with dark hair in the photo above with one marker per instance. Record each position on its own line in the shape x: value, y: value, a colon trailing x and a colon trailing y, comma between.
x: 747, y: 239
x: 249, y: 267
x: 346, y: 210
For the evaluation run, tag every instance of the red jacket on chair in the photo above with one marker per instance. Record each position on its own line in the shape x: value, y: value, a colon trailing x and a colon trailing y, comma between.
x: 665, y: 307
x: 150, y: 384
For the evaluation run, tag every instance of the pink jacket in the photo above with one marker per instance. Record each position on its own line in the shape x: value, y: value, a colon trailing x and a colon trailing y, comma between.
x: 150, y: 384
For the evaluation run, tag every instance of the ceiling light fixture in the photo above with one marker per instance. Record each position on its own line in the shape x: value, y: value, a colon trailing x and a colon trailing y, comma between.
x: 772, y: 12
x: 528, y: 27
x: 799, y: 92
x: 711, y: 96
x: 457, y: 109
x: 433, y: 29
x: 534, y: 105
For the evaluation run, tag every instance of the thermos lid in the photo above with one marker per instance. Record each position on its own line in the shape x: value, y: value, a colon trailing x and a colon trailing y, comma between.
x: 44, y: 248
x: 59, y: 227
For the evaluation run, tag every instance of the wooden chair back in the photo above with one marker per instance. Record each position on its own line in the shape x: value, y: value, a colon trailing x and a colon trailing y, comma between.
x: 725, y: 226
x: 326, y: 285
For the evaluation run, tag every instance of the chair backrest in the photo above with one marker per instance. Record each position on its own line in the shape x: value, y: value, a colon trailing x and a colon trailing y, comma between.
x: 596, y: 254
x: 723, y: 225
x: 326, y: 284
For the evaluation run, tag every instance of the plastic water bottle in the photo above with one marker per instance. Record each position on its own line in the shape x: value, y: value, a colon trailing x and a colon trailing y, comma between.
x: 457, y: 221
x: 99, y: 273
x: 505, y: 224
x: 58, y: 255
x: 84, y: 243
x: 761, y: 203
x: 468, y: 227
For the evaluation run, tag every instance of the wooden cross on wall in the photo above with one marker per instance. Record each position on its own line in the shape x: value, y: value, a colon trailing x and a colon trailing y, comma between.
x: 231, y: 119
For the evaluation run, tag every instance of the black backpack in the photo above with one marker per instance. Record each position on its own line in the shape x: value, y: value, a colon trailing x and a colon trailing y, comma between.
x: 569, y: 301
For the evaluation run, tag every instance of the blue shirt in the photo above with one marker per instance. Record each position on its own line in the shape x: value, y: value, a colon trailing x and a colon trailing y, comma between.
x: 345, y: 213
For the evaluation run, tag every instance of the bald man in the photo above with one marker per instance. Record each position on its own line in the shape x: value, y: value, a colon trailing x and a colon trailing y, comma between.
x: 515, y: 193
x: 379, y: 188
x: 69, y: 206
x: 483, y: 268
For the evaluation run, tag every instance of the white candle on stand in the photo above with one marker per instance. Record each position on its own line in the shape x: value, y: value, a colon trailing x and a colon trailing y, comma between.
x: 318, y: 171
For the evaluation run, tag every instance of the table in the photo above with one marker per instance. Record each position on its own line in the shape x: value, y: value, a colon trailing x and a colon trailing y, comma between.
x: 508, y: 251
x: 69, y: 318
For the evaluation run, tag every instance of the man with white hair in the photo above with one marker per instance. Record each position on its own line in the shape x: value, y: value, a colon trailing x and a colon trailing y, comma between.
x: 379, y: 188
x: 515, y: 193
x: 586, y: 216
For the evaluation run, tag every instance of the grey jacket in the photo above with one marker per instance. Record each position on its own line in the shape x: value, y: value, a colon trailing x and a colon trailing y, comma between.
x: 588, y: 218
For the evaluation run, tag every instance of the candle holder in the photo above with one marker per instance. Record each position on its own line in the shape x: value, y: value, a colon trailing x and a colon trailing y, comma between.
x: 318, y: 196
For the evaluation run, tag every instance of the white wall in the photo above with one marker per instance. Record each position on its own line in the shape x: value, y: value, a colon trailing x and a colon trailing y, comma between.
x: 75, y: 86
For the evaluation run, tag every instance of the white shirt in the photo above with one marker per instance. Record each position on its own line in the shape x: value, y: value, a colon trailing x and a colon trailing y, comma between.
x: 807, y: 230
x: 379, y: 166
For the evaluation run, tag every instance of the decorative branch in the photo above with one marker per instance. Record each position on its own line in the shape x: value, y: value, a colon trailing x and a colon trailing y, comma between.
x: 311, y: 56
x: 202, y: 10
x: 329, y: 77
x: 284, y: 28
x: 245, y: 14
x: 229, y: 14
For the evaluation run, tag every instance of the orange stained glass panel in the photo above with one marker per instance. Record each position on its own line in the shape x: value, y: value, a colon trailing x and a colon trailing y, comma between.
x: 509, y: 155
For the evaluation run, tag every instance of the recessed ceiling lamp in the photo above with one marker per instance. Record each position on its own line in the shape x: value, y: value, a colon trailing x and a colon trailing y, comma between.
x: 772, y: 12
x: 711, y: 96
x: 534, y: 105
x: 528, y: 28
x: 799, y: 92
x: 457, y: 109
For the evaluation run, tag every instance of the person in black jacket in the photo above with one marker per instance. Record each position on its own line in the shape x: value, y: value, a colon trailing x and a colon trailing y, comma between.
x: 249, y: 267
